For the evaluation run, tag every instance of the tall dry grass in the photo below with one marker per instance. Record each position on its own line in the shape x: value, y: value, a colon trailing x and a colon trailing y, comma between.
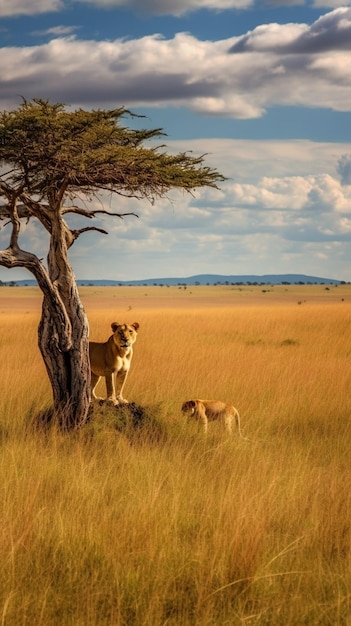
x: 100, y: 528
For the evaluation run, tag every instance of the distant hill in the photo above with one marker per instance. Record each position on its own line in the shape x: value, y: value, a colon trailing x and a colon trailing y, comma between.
x: 204, y: 279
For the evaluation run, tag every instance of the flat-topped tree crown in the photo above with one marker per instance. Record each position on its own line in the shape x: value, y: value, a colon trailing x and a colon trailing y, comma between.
x: 54, y: 151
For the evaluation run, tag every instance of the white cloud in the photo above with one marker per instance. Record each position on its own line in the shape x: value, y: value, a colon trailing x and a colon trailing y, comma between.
x: 344, y: 169
x: 331, y: 31
x: 29, y: 7
x: 284, y: 3
x: 59, y: 31
x: 172, y: 7
x: 262, y: 70
x: 272, y: 37
x: 181, y: 7
x: 175, y: 8
x: 290, y: 194
x: 330, y: 4
x: 247, y: 161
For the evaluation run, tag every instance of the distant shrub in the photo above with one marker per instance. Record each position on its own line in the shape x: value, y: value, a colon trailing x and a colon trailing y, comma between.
x: 289, y: 342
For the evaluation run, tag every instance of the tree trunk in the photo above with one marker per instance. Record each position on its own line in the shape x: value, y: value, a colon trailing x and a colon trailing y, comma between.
x: 63, y: 335
x: 66, y: 360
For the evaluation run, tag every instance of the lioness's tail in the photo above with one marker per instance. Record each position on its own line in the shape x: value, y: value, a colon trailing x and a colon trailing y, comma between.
x: 237, y: 419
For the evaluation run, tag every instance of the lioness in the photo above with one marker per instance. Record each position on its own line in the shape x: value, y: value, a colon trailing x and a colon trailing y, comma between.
x: 113, y: 357
x: 209, y: 410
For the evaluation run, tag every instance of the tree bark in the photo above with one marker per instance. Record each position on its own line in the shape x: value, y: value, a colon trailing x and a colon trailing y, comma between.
x: 65, y: 348
x: 68, y: 368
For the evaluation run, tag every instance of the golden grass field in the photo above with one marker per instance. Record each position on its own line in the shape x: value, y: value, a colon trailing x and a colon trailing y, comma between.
x: 171, y: 528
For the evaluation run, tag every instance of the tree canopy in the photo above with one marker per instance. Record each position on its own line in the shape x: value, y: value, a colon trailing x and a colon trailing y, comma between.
x: 54, y: 152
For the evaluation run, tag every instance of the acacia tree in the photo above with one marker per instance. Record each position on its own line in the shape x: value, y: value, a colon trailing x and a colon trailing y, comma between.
x: 50, y: 158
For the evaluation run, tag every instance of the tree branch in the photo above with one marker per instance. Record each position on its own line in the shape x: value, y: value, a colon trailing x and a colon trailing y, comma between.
x: 15, y: 257
x: 38, y: 210
x: 91, y: 214
x: 26, y: 209
x: 76, y: 233
x: 16, y: 225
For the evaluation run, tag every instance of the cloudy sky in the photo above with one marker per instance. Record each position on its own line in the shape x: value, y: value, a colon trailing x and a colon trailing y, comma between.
x: 262, y: 86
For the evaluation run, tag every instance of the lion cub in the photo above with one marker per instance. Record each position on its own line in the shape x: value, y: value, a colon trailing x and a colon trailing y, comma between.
x: 112, y: 360
x: 209, y: 410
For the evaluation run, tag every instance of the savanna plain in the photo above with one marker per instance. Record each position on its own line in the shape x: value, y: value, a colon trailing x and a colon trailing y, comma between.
x: 156, y: 524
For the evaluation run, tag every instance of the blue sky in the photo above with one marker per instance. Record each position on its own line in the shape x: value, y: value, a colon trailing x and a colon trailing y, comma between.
x: 263, y: 88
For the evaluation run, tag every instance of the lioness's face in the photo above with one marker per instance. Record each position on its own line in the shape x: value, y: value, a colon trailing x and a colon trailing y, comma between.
x: 124, y: 335
x: 188, y: 407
